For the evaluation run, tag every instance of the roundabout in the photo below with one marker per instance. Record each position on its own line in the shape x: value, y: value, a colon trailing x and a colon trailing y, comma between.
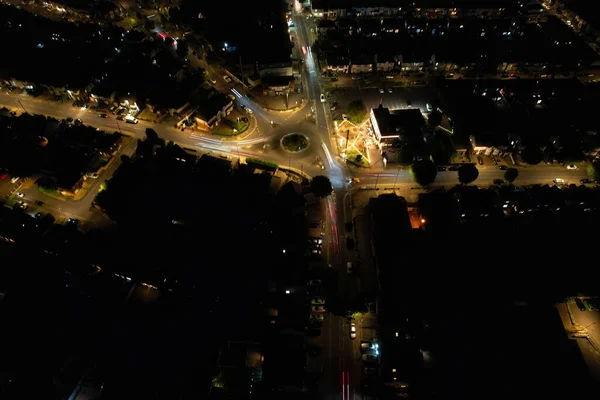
x: 294, y: 143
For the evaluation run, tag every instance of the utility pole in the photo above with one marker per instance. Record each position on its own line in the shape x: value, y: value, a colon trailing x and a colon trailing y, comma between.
x: 22, y: 106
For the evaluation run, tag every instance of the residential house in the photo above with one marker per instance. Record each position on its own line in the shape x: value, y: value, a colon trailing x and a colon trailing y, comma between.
x: 337, y: 62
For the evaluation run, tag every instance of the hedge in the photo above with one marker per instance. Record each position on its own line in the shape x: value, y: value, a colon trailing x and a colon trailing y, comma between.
x: 257, y: 162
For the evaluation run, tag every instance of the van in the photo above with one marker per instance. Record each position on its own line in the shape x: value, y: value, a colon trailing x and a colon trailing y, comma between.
x: 131, y: 120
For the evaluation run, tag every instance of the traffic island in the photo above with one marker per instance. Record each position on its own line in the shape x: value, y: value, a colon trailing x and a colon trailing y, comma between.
x: 294, y: 143
x: 231, y: 128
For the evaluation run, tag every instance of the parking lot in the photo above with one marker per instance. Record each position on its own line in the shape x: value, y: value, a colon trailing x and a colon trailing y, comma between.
x: 399, y: 98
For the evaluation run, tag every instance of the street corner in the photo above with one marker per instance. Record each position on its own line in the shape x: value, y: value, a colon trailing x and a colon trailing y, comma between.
x: 355, y: 143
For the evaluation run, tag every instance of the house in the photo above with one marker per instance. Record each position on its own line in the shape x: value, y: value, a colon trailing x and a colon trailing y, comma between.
x: 277, y: 85
x: 276, y: 68
x: 361, y: 63
x: 337, y: 62
x: 324, y: 26
x: 391, y: 126
x: 209, y: 112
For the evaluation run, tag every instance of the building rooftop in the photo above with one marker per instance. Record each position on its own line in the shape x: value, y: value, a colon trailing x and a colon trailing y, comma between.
x: 399, y: 122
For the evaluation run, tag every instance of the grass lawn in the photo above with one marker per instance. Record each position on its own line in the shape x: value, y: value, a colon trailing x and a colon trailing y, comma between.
x: 226, y: 128
x: 294, y: 142
x: 351, y: 156
x: 49, y: 192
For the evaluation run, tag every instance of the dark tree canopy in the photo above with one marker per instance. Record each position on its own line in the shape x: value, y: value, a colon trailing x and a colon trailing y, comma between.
x: 593, y: 171
x: 423, y: 172
x: 511, y: 174
x: 357, y: 111
x: 321, y: 186
x: 435, y: 118
x: 532, y: 155
x: 467, y: 173
x: 405, y: 156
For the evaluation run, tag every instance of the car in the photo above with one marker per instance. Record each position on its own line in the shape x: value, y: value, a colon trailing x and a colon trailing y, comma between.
x: 69, y: 119
x: 318, y: 309
x: 344, y: 117
x: 22, y: 205
x: 585, y: 180
x: 72, y: 221
x: 91, y: 175
x: 121, y: 117
x: 572, y: 166
x: 245, y: 119
x: 315, y: 282
x: 14, y: 179
x: 502, y: 167
x: 38, y: 215
x: 213, y: 81
x: 498, y: 181
x: 352, y: 331
x: 580, y: 304
x: 226, y: 79
x: 408, y: 104
x: 39, y: 203
x: 349, y: 268
x: 103, y: 115
x: 381, y: 90
x: 20, y: 194
x: 480, y: 160
x: 322, y: 97
x: 429, y: 107
x: 315, y: 252
x: 370, y: 371
x: 369, y: 358
x: 333, y: 107
x: 317, y: 317
x: 442, y: 168
x: 367, y: 346
x: 315, y: 301
x: 504, y: 76
x: 318, y: 241
x: 389, y: 90
x: 131, y: 120
x: 454, y: 168
x: 558, y: 180
x: 450, y: 75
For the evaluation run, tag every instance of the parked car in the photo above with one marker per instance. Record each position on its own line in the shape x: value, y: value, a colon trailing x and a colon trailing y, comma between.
x: 502, y: 167
x: 480, y: 160
x: 131, y: 120
x: 349, y: 268
x: 20, y: 194
x: 381, y: 91
x: 14, y: 179
x: 585, y: 180
x: 103, y: 115
x: 369, y: 358
x: 352, y: 331
x: 558, y: 181
x: 322, y: 98
x: 442, y: 168
x: 315, y: 301
x: 91, y: 175
x: 121, y: 117
x: 318, y: 309
x: 317, y: 317
x: 226, y: 79
x: 368, y: 346
x: 389, y: 90
x: 370, y: 371
x: 429, y: 107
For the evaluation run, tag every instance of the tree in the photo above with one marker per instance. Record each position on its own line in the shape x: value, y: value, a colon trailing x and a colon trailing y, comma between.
x: 532, y: 155
x: 357, y: 111
x: 321, y: 186
x: 435, y: 118
x: 149, y: 25
x: 467, y: 173
x: 593, y: 171
x: 405, y: 156
x: 511, y: 174
x: 423, y: 172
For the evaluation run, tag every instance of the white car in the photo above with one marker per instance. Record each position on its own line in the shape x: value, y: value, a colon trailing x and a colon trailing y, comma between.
x: 558, y: 180
x: 352, y: 331
x: 91, y: 175
x: 317, y: 301
x: 572, y: 166
x: 15, y: 179
x: 322, y: 98
x: 349, y: 268
x: 19, y: 194
x: 344, y: 117
x: 389, y: 90
x: 429, y: 107
x: 318, y: 309
x: 381, y: 91
x: 226, y: 79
